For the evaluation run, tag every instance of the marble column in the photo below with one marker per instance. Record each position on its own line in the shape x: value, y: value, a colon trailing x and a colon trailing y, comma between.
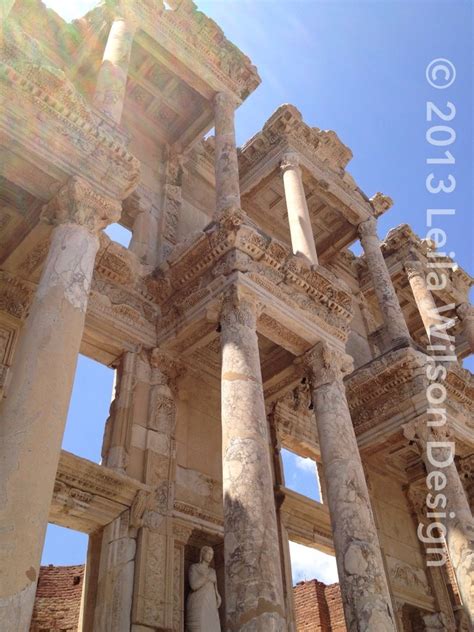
x: 392, y: 313
x: 34, y: 413
x: 364, y: 589
x: 436, y: 447
x: 302, y: 238
x: 423, y: 296
x: 466, y: 315
x: 253, y: 582
x: 112, y: 79
x: 226, y: 163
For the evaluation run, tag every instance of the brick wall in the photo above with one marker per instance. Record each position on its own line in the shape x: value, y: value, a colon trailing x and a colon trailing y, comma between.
x: 58, y: 599
x: 318, y: 608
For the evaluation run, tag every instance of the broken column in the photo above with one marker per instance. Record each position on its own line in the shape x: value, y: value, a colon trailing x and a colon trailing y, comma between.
x: 253, y: 584
x: 364, y: 588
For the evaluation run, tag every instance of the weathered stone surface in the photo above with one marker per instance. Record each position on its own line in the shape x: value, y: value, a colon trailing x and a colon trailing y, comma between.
x: 387, y: 299
x: 362, y: 578
x: 254, y: 595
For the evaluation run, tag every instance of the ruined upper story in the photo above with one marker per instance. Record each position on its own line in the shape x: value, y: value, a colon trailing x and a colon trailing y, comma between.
x: 160, y: 163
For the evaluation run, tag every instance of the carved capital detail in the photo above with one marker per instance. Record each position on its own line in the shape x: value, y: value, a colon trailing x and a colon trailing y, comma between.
x: 418, y: 431
x: 78, y: 203
x: 465, y: 311
x: 290, y: 161
x: 326, y: 364
x: 368, y: 228
x: 381, y: 203
x: 414, y: 268
x: 239, y: 307
x: 225, y: 103
x: 165, y: 367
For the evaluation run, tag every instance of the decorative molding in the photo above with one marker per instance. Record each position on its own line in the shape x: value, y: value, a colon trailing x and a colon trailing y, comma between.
x: 78, y: 203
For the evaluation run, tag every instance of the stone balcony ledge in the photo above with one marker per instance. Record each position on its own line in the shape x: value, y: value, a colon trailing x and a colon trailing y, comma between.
x: 234, y: 245
x: 60, y: 133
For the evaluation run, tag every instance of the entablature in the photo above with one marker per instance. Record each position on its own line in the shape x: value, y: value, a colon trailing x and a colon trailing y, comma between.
x: 306, y: 520
x: 87, y: 496
x: 336, y: 205
x: 300, y: 303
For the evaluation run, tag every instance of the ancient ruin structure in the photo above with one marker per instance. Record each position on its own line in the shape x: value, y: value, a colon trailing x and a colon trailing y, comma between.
x: 238, y: 321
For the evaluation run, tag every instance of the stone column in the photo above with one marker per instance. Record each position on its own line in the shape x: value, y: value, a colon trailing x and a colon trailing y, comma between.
x: 226, y: 163
x: 466, y: 315
x: 302, y: 238
x: 392, y: 314
x: 112, y: 79
x: 364, y: 589
x: 34, y: 413
x: 253, y: 582
x: 423, y: 297
x: 436, y: 447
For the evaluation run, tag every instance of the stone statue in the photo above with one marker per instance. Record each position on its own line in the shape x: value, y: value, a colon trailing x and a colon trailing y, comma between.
x: 204, y: 600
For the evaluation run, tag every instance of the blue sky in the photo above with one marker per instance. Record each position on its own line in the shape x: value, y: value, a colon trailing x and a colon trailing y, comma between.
x: 358, y: 68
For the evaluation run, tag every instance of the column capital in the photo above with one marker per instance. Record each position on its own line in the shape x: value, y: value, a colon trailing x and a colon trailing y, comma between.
x: 223, y: 100
x: 165, y: 367
x: 240, y: 307
x: 414, y: 268
x: 418, y: 431
x: 122, y: 10
x: 290, y: 160
x: 465, y: 311
x: 78, y: 203
x: 368, y: 228
x: 326, y: 364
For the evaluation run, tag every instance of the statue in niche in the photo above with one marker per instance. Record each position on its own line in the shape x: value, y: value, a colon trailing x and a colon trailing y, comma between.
x: 204, y: 599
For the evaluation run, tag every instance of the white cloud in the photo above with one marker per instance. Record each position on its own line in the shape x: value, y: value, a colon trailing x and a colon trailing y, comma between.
x: 307, y: 563
x: 305, y: 464
x: 71, y: 9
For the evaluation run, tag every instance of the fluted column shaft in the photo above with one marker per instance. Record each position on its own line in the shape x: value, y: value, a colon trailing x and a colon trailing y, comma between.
x: 423, y: 297
x: 33, y: 415
x: 302, y: 238
x: 253, y: 584
x: 466, y: 314
x: 364, y: 589
x: 392, y: 314
x: 112, y: 79
x: 437, y: 451
x: 226, y: 162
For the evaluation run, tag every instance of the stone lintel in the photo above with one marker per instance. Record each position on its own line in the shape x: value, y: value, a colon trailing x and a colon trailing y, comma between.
x: 87, y: 496
x: 259, y: 162
x: 197, y: 42
x: 71, y: 138
x: 306, y: 520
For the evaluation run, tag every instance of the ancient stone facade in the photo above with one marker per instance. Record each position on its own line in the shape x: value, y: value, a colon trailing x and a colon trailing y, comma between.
x: 238, y: 321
